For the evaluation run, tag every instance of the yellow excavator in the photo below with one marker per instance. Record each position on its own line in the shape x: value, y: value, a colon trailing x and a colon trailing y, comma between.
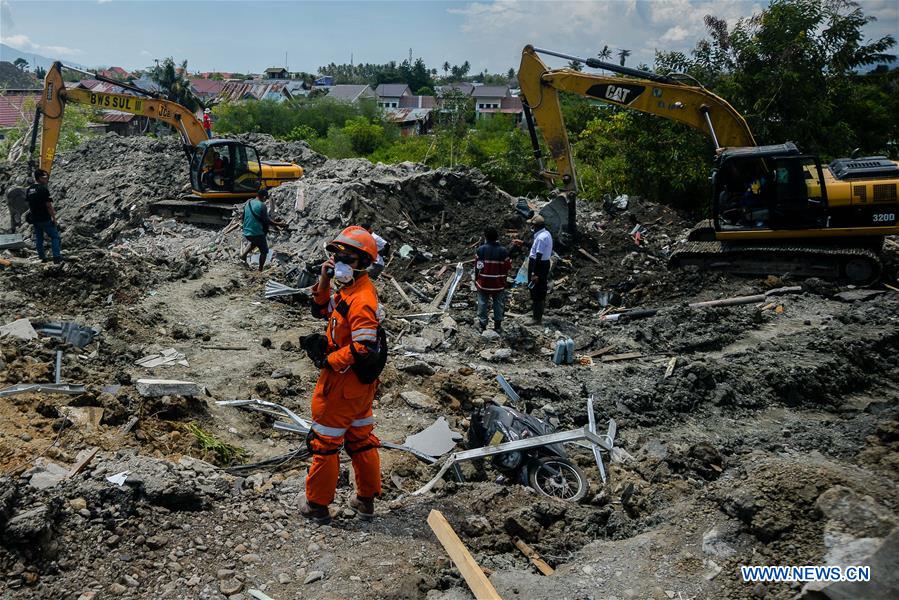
x: 223, y: 172
x: 774, y: 209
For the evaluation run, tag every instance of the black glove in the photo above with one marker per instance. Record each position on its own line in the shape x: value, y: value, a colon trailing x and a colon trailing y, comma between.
x: 316, y: 347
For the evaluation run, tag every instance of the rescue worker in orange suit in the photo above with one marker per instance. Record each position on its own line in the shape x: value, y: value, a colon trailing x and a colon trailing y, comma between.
x: 342, y: 401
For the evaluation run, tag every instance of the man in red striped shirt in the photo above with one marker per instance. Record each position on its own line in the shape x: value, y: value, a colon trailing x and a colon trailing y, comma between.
x: 492, y: 266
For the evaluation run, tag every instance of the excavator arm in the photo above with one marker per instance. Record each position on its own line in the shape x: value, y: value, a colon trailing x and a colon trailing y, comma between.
x: 55, y: 96
x: 647, y: 92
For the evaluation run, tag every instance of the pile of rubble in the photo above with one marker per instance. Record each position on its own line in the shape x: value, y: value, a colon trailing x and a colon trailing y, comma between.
x: 763, y: 432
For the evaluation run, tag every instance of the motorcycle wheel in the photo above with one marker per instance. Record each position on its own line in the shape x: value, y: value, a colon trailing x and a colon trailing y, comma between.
x: 558, y: 478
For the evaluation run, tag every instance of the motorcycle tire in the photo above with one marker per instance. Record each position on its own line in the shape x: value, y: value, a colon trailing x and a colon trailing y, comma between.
x: 558, y: 478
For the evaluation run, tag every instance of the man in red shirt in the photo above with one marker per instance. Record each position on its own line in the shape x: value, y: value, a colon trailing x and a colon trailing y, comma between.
x: 207, y: 122
x: 492, y: 266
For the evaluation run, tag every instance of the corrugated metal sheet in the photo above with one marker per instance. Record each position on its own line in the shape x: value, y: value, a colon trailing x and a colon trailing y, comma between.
x: 17, y: 107
x: 407, y: 115
x: 115, y: 116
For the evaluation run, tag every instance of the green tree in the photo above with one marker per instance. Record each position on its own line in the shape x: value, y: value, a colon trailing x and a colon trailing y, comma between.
x: 175, y: 83
x: 20, y: 63
x: 622, y: 56
x: 40, y: 72
x: 575, y: 65
x: 446, y: 68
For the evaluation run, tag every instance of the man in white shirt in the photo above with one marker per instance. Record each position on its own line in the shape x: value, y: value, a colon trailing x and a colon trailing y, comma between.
x: 538, y: 266
x: 383, y: 250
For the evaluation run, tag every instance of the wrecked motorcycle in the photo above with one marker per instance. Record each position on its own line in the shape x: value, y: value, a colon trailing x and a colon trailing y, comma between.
x: 546, y: 468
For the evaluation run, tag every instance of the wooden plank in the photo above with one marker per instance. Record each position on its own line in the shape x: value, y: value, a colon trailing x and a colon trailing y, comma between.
x: 535, y: 558
x: 477, y: 582
x: 224, y: 347
x: 625, y: 356
x: 435, y: 303
x: 79, y: 466
x: 888, y: 286
x: 402, y: 292
x: 671, y: 365
x: 601, y: 351
x: 590, y: 256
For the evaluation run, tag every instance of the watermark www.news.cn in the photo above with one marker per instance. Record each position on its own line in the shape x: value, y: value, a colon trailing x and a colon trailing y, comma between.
x: 805, y: 573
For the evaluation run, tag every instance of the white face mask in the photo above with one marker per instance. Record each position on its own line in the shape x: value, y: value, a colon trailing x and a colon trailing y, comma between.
x: 343, y: 272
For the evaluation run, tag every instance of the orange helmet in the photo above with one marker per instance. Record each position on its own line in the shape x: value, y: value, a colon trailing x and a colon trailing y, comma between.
x: 355, y: 238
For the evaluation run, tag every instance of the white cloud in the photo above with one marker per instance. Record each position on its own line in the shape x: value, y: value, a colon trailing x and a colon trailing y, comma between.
x: 145, y: 53
x: 24, y: 43
x: 675, y: 34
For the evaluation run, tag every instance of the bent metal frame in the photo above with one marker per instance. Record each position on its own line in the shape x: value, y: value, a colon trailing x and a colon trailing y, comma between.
x: 597, y: 443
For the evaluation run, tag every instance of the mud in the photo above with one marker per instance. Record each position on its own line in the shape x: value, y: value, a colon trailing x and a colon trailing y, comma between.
x: 772, y: 441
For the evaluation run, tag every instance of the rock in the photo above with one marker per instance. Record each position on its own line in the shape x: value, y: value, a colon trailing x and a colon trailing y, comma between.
x: 448, y: 325
x: 223, y: 574
x: 31, y: 526
x: 266, y: 342
x: 117, y: 588
x: 155, y: 542
x: 193, y: 581
x: 250, y: 559
x: 230, y: 586
x: 419, y: 400
x: 490, y: 335
x: 313, y: 576
x: 714, y: 543
x: 284, y: 578
x: 416, y: 344
x: 49, y: 475
x: 416, y: 367
x: 90, y: 595
x: 20, y: 329
x: 282, y: 373
x: 154, y: 388
x: 288, y: 346
x: 129, y: 580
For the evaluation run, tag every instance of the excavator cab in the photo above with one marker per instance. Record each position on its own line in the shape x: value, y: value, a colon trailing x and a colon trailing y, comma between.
x: 768, y: 188
x: 223, y: 167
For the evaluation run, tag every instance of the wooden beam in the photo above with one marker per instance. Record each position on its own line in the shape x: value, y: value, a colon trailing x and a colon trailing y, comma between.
x: 625, y: 356
x: 535, y: 558
x: 435, y: 303
x: 590, y: 256
x: 671, y: 365
x: 477, y: 582
x: 402, y: 292
x: 79, y: 466
x: 601, y: 351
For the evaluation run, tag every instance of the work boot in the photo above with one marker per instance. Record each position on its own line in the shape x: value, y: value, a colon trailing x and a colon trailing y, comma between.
x: 314, y: 512
x: 498, y: 328
x: 364, y: 507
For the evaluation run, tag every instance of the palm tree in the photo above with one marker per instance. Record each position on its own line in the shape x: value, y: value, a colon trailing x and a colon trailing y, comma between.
x: 446, y: 68
x: 605, y: 53
x: 575, y: 65
x: 622, y: 56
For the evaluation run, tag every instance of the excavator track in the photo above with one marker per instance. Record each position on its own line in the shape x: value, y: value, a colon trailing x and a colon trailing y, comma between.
x: 200, y: 212
x: 855, y: 265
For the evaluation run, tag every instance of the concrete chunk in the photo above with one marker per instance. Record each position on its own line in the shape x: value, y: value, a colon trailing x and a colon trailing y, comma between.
x: 166, y: 387
x: 20, y: 328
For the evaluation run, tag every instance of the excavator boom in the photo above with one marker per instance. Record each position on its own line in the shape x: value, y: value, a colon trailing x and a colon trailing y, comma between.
x: 55, y: 96
x: 650, y: 93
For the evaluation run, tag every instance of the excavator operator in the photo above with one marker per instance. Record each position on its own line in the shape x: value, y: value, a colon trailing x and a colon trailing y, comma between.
x: 351, y: 356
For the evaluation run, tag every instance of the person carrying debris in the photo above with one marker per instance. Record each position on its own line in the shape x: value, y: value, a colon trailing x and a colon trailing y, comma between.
x: 42, y: 216
x: 256, y: 224
x: 351, y: 356
x: 538, y: 266
x: 17, y: 205
x: 207, y: 122
x: 492, y: 266
x: 383, y: 251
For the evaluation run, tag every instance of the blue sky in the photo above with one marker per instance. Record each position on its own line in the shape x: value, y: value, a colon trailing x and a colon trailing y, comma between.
x: 248, y: 36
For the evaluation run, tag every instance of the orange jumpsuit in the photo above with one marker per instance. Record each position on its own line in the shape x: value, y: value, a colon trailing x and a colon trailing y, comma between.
x: 341, y: 404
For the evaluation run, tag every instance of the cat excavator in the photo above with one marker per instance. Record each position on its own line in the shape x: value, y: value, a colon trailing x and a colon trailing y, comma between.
x: 774, y: 208
x: 223, y: 172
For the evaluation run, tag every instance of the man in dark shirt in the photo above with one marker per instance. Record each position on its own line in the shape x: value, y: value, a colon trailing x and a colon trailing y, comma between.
x: 491, y: 268
x: 43, y: 217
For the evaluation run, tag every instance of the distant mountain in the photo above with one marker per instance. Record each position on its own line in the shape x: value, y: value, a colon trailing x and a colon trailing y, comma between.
x: 10, y: 54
